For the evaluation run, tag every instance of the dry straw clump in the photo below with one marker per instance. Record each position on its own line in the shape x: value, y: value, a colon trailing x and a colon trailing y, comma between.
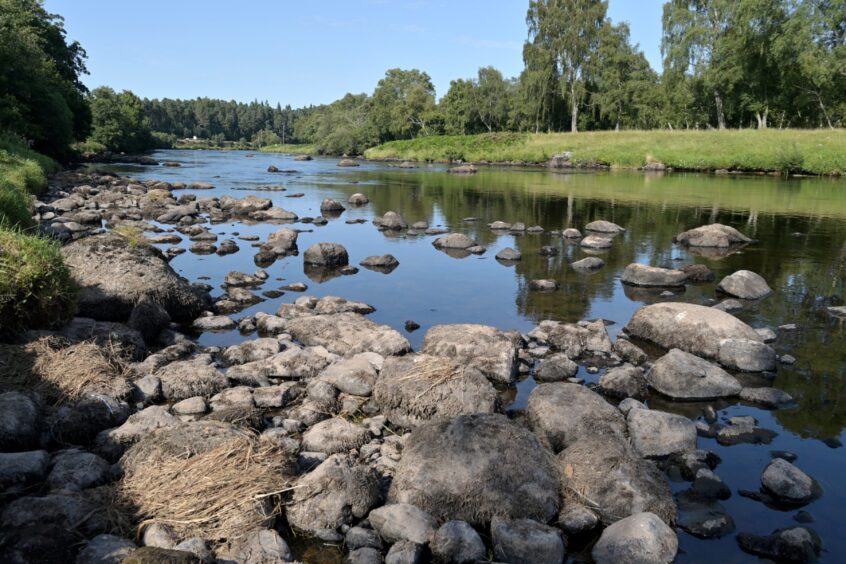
x: 63, y: 372
x: 205, y: 479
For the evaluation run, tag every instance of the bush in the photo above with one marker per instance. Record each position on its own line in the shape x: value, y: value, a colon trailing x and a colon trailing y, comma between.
x: 36, y: 289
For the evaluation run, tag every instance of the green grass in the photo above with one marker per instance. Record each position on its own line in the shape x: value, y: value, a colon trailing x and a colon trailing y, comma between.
x: 818, y: 151
x: 35, y: 285
x: 302, y: 149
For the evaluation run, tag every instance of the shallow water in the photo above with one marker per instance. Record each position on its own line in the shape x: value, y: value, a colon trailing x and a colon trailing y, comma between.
x: 800, y: 225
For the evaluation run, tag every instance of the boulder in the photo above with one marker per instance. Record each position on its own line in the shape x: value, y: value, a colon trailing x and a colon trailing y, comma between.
x: 114, y: 275
x: 643, y: 538
x: 524, y: 540
x: 355, y: 375
x: 358, y: 199
x: 263, y: 546
x: 331, y: 255
x: 20, y: 421
x: 651, y: 276
x: 616, y: 480
x: 335, y: 435
x: 475, y: 467
x: 562, y: 414
x: 686, y: 377
x: 392, y: 221
x: 484, y: 348
x: 556, y: 368
x: 576, y: 519
x: 544, y: 285
x: 576, y: 339
x: 22, y: 468
x: 602, y: 226
x: 347, y: 334
x: 596, y: 242
x: 405, y: 552
x: 294, y: 363
x: 788, y: 483
x: 112, y: 442
x: 383, y: 263
x: 331, y: 206
x: 416, y: 388
x: 657, y: 434
x: 214, y: 323
x: 624, y: 381
x: 588, y: 264
x: 571, y: 233
x: 793, y: 544
x: 105, y: 549
x: 251, y: 351
x: 188, y: 378
x: 698, y: 273
x: 401, y: 521
x: 74, y: 470
x: 508, y: 254
x: 772, y: 398
x: 456, y: 541
x: 335, y: 493
x: 714, y: 235
x: 745, y: 284
x: 745, y: 355
x: 281, y: 243
x: 454, y: 241
x: 692, y: 328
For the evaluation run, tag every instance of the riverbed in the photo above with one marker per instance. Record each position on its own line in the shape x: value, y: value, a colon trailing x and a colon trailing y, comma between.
x: 799, y: 225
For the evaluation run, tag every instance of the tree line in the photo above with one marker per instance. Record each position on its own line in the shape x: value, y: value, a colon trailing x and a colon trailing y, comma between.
x: 726, y: 63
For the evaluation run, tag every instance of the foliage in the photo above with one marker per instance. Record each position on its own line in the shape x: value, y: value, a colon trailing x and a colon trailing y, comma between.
x: 118, y: 122
x: 300, y: 149
x: 790, y: 150
x: 22, y: 174
x: 41, y: 96
x: 402, y: 104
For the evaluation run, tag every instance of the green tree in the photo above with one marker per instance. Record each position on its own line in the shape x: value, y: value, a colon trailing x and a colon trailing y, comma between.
x: 118, y: 121
x: 492, y: 99
x: 402, y: 102
x: 569, y: 31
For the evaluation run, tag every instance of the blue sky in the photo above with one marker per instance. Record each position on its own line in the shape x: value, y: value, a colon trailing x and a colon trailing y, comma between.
x: 300, y: 53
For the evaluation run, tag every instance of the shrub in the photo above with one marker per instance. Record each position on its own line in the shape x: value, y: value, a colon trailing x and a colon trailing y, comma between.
x: 36, y: 289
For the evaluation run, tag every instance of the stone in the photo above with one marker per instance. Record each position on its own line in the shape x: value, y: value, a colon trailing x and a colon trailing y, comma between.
x: 392, y: 221
x: 355, y: 375
x: 214, y: 323
x: 697, y: 273
x: 571, y: 233
x: 746, y: 356
x: 105, y: 549
x: 335, y: 493
x: 484, y: 348
x: 187, y: 378
x: 366, y: 555
x: 281, y: 243
x: 114, y: 275
x: 788, y: 483
x: 358, y: 199
x: 793, y: 544
x: 651, y: 276
x: 703, y: 517
x: 401, y: 521
x: 454, y: 241
x: 359, y: 537
x: 602, y: 226
x: 562, y: 414
x: 548, y: 251
x: 509, y: 254
x: 544, y: 285
x: 334, y: 435
x: 331, y: 206
x: 458, y: 542
x: 22, y: 468
x: 159, y: 535
x: 524, y: 540
x: 643, y: 538
x: 251, y: 351
x: 20, y: 422
x: 190, y: 406
x: 347, y: 334
x: 624, y: 381
x: 589, y: 264
x: 657, y: 434
x: 198, y: 547
x: 772, y: 398
x: 499, y: 226
x: 556, y: 368
x: 331, y: 255
x: 383, y: 263
x: 708, y: 485
x: 148, y: 318
x: 474, y: 467
x: 596, y: 242
x: 686, y: 377
x: 405, y: 552
x: 300, y: 363
x: 745, y: 284
x: 577, y: 519
x: 275, y: 396
x: 112, y: 442
x: 155, y: 555
x: 715, y: 235
x: 629, y: 352
x: 692, y: 328
x: 416, y: 388
x: 263, y: 546
x: 74, y: 470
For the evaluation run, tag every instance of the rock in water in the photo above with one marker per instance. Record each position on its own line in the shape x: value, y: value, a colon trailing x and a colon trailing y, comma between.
x: 794, y: 544
x: 651, y: 276
x: 686, y: 377
x: 746, y: 356
x: 602, y: 226
x: 657, y: 434
x: 641, y: 538
x: 714, y: 235
x: 485, y: 348
x: 475, y: 467
x: 454, y: 241
x: 330, y: 255
x: 692, y: 328
x: 788, y: 483
x: 114, y: 275
x: 401, y: 521
x: 746, y: 285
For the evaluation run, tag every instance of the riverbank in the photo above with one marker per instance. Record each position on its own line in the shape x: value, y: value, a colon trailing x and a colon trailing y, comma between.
x: 288, y: 148
x: 818, y: 152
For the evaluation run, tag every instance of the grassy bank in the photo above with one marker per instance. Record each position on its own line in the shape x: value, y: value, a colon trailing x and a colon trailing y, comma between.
x: 290, y: 149
x: 35, y: 285
x: 772, y: 150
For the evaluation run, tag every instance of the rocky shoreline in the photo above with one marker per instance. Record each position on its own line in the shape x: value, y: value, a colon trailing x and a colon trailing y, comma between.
x: 123, y: 440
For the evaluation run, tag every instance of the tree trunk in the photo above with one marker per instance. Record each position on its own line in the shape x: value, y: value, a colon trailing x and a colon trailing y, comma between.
x: 825, y: 113
x: 721, y: 118
x: 574, y: 113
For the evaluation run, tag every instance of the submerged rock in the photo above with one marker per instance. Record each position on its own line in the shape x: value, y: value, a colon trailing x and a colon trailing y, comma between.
x: 794, y: 544
x: 588, y: 264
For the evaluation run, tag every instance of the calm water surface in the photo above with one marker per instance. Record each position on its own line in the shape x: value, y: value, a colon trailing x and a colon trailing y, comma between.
x: 800, y: 225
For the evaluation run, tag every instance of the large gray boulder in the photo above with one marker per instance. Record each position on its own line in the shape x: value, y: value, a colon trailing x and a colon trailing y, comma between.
x: 416, y: 388
x: 562, y: 414
x: 602, y: 226
x: 336, y: 493
x: 23, y: 468
x: 347, y: 334
x: 577, y: 339
x: 745, y: 284
x: 294, y: 362
x: 262, y: 546
x: 282, y: 242
x: 656, y: 434
x: 625, y: 381
x: 792, y: 544
x: 105, y: 549
x: 692, y: 328
x: 114, y: 275
x: 746, y: 356
x: 651, y: 276
x: 74, y: 470
x: 788, y: 483
x: 401, y: 521
x: 355, y: 375
x: 20, y: 421
x: 185, y: 379
x: 330, y: 255
x: 334, y: 435
x: 456, y: 541
x: 642, y: 538
x: 454, y: 241
x: 714, y: 235
x: 686, y: 377
x: 525, y: 540
x: 475, y: 467
x: 616, y: 480
x: 485, y: 348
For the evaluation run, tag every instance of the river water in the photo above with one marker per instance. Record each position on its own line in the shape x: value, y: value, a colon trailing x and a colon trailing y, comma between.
x: 800, y: 226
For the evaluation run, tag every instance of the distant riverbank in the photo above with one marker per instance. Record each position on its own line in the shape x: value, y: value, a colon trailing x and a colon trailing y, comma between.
x: 818, y: 152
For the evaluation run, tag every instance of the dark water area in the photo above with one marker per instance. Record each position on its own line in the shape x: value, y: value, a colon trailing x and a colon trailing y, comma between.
x: 799, y: 225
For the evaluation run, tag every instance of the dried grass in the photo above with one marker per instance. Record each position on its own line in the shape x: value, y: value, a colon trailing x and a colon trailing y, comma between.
x: 64, y: 373
x: 220, y: 494
x: 438, y: 371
